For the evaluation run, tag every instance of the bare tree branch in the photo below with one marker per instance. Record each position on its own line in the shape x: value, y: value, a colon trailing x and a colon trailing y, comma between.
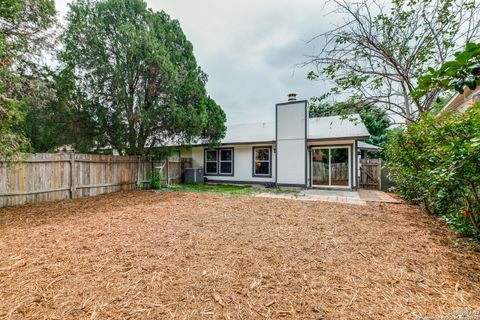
x: 381, y: 48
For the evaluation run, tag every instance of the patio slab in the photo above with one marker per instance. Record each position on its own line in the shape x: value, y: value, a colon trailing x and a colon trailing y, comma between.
x: 377, y: 196
x: 339, y: 196
x: 331, y: 193
x: 360, y: 197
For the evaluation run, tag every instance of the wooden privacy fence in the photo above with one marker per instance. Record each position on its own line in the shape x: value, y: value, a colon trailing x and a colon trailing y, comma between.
x: 338, y: 171
x: 49, y: 177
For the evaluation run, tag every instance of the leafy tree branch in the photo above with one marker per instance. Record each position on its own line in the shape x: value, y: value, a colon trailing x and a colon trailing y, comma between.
x: 382, y: 48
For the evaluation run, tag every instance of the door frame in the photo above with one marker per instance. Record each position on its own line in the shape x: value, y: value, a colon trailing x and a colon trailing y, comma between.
x: 329, y: 185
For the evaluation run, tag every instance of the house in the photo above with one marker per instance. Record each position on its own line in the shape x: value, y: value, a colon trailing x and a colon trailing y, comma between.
x: 294, y: 150
x: 460, y: 102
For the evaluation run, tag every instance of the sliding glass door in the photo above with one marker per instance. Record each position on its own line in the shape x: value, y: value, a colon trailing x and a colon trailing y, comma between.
x: 330, y: 167
x: 320, y: 167
x: 339, y: 167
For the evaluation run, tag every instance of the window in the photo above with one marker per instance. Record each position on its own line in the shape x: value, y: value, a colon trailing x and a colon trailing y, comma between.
x: 226, y: 161
x: 219, y: 162
x: 211, y: 165
x: 262, y: 161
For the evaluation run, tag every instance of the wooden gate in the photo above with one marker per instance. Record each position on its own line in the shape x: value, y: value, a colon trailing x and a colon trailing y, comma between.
x: 172, y: 169
x: 370, y: 173
x: 175, y: 168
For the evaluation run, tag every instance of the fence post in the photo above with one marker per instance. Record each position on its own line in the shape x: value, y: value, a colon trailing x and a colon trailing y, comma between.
x: 167, y: 164
x: 152, y: 173
x: 73, y: 183
x: 380, y: 165
x: 138, y: 173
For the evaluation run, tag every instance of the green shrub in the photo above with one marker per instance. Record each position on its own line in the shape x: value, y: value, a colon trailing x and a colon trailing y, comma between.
x: 437, y: 162
x: 156, y: 181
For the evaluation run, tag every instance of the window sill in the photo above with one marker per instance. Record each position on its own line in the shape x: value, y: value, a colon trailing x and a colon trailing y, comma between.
x: 262, y: 176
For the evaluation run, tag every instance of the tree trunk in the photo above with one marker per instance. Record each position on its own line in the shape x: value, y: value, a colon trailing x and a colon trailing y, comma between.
x: 132, y: 138
x: 406, y: 98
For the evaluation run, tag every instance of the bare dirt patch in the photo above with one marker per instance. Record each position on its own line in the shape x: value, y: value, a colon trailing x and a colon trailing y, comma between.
x: 143, y: 255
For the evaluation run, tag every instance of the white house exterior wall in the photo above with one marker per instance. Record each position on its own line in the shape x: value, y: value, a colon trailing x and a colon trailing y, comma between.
x: 291, y: 124
x: 185, y: 152
x: 242, y: 164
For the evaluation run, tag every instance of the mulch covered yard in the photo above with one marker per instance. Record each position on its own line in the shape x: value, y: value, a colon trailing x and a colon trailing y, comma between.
x: 145, y: 255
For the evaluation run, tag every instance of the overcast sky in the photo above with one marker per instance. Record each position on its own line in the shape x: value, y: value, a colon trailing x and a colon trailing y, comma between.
x: 249, y: 49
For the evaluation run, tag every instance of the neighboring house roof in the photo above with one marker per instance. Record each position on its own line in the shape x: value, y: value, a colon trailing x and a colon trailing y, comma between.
x: 461, y: 102
x: 367, y: 146
x: 337, y: 127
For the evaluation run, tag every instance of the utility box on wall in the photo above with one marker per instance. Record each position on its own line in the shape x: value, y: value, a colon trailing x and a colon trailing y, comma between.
x: 291, y: 138
x: 194, y: 176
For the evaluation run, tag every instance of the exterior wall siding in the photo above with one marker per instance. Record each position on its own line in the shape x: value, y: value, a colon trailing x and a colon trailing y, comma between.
x: 291, y: 135
x: 185, y: 152
x: 242, y: 161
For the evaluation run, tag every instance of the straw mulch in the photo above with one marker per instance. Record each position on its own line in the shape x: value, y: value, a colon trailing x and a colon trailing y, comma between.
x: 144, y: 255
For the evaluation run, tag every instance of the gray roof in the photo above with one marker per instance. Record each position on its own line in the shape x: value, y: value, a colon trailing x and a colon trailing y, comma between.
x: 250, y: 132
x: 368, y: 146
x: 336, y: 127
x: 322, y: 128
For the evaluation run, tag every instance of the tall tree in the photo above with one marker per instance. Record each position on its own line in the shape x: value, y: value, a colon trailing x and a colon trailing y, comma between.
x: 52, y: 122
x: 136, y: 76
x: 381, y: 49
x: 24, y: 26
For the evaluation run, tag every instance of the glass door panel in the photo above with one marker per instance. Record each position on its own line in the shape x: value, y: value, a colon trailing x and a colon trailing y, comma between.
x: 339, y: 167
x: 331, y: 166
x: 320, y: 167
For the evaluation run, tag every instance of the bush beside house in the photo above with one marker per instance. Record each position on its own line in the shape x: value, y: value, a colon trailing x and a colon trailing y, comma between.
x: 436, y: 161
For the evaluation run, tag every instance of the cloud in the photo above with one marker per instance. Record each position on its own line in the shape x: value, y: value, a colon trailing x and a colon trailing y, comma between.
x: 249, y: 49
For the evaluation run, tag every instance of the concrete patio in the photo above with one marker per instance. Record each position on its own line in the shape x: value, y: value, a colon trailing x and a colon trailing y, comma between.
x: 360, y: 197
